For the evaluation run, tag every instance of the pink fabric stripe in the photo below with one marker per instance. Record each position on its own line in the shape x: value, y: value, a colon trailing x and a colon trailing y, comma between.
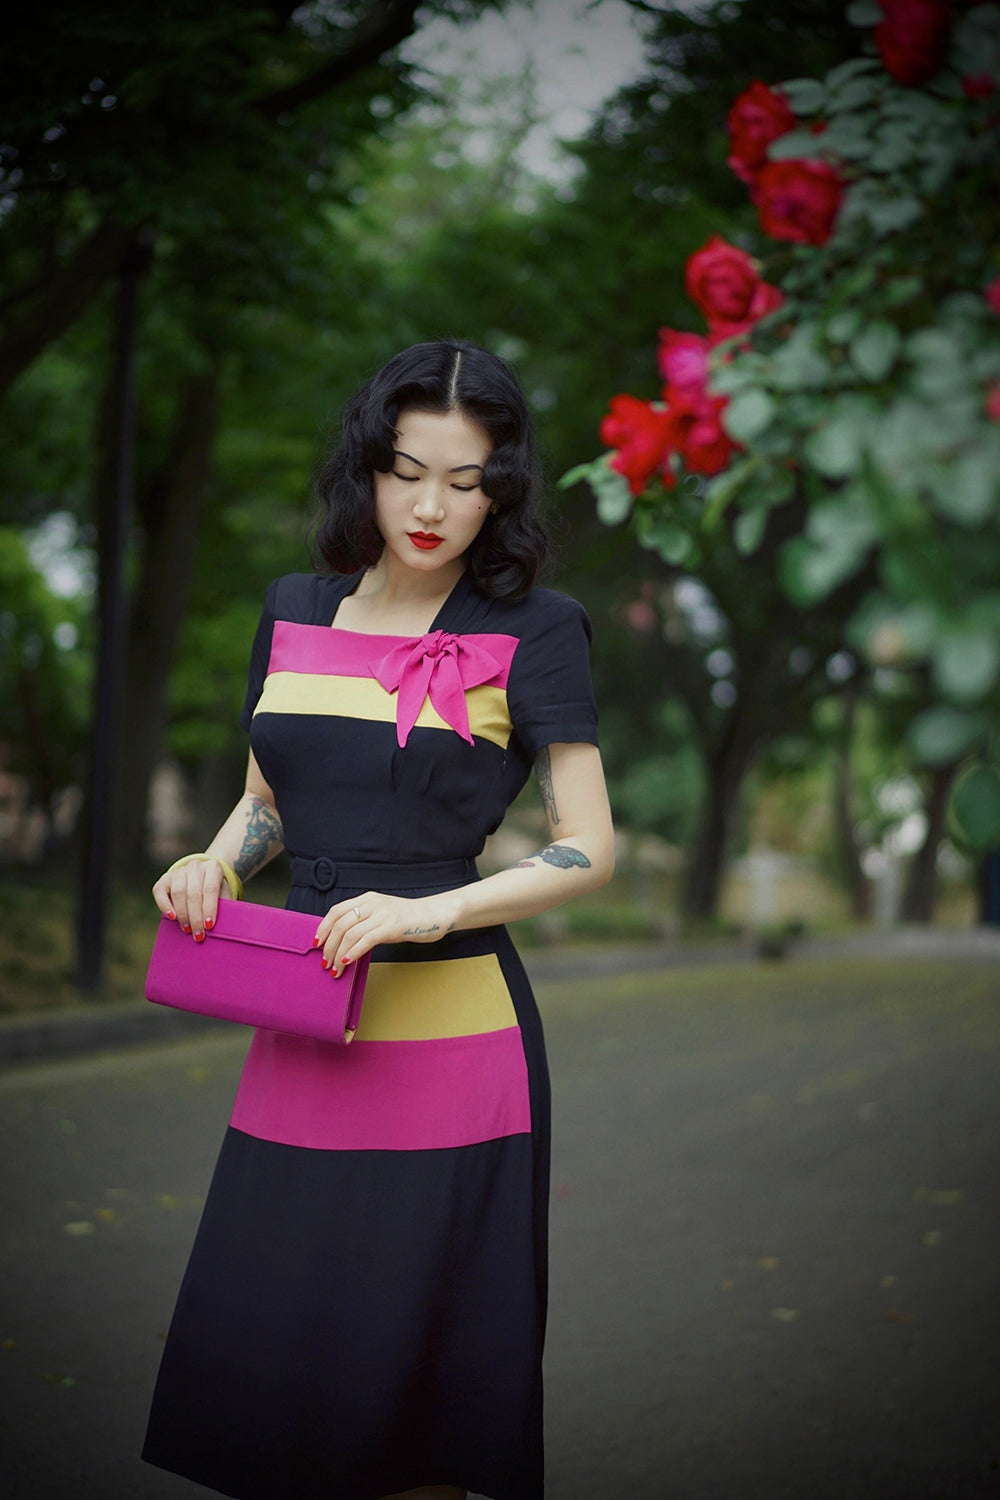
x: 346, y: 653
x: 384, y: 1096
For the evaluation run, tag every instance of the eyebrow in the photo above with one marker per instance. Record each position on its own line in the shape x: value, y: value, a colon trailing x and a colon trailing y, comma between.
x: 459, y: 468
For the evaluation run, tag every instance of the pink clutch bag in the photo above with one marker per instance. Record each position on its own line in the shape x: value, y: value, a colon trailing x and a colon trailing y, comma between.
x: 257, y: 967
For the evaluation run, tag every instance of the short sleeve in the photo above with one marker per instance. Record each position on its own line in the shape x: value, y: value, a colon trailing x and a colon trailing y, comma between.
x: 260, y: 654
x: 549, y: 692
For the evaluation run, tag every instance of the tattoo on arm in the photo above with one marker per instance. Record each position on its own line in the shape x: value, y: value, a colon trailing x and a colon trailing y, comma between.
x: 543, y: 770
x: 424, y: 931
x: 560, y: 855
x: 261, y: 840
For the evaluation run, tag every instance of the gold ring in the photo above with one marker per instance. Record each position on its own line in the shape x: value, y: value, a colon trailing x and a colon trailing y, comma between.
x: 357, y: 913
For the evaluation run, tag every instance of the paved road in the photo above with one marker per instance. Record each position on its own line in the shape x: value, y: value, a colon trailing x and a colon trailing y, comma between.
x: 775, y: 1239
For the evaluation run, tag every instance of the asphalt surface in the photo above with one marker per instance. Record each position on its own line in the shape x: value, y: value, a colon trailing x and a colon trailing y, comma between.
x: 775, y: 1237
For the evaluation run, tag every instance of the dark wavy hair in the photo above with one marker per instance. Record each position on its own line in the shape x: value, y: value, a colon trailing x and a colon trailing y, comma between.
x: 446, y: 375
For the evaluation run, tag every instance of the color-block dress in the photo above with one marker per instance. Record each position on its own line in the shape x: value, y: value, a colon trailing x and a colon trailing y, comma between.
x: 364, y: 1307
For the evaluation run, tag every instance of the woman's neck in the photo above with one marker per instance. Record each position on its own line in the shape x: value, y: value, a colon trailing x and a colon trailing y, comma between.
x: 391, y: 601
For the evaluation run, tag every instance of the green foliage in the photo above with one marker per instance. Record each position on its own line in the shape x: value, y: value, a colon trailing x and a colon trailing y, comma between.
x: 43, y: 676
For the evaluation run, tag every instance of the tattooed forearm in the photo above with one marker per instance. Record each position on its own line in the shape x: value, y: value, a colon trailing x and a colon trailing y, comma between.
x: 262, y: 838
x: 560, y: 855
x: 412, y: 932
x: 543, y: 770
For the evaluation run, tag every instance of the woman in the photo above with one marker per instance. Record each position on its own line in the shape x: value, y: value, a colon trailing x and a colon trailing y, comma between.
x: 364, y: 1309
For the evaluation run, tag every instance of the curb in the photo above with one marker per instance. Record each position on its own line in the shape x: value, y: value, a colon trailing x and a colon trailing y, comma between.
x: 68, y: 1032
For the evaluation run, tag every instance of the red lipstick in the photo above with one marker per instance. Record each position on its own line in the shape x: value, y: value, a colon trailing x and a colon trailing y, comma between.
x: 425, y: 540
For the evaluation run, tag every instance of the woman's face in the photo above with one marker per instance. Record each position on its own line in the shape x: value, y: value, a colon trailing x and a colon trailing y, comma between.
x: 431, y: 507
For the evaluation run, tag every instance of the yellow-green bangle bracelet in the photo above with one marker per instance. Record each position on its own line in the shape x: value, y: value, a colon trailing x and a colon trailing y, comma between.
x: 233, y: 881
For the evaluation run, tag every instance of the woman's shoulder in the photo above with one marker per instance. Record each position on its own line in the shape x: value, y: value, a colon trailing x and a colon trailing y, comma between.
x: 539, y: 611
x: 307, y: 598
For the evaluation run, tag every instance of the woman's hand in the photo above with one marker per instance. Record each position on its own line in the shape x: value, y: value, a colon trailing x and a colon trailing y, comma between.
x: 353, y: 928
x: 190, y: 895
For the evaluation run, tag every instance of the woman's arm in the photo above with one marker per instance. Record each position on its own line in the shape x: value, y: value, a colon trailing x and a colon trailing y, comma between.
x: 579, y: 857
x: 249, y: 837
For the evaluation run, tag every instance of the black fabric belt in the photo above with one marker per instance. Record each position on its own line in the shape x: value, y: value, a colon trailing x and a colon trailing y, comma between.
x: 323, y: 873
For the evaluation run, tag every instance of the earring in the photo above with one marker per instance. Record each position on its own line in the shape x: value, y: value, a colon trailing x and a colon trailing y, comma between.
x: 494, y: 509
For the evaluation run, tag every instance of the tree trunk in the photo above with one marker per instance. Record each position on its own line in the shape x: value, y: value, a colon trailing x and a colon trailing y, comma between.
x: 64, y: 298
x: 859, y: 889
x: 920, y: 893
x: 720, y: 808
x: 170, y: 508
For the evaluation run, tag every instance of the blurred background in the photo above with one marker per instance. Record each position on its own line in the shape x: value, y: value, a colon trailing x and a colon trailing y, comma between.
x: 215, y: 221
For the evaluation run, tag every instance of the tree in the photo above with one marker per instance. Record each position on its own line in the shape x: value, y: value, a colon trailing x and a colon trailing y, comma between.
x: 218, y: 137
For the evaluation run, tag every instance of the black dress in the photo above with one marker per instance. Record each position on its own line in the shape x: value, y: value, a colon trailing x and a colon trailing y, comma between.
x: 364, y: 1307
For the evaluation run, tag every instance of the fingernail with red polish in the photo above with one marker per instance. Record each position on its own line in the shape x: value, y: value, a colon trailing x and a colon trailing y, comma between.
x: 171, y: 916
x: 199, y: 937
x: 185, y: 927
x: 315, y: 942
x: 209, y: 923
x: 325, y: 964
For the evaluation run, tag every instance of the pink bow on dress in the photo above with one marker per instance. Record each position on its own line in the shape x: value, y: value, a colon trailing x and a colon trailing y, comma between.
x: 439, y: 666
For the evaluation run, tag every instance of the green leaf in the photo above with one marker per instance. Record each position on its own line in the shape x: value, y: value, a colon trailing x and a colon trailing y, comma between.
x: 835, y: 448
x: 975, y: 807
x: 873, y: 351
x: 903, y: 289
x: 854, y: 66
x: 728, y: 379
x: 966, y: 664
x: 844, y: 325
x: 811, y: 569
x: 660, y: 534
x: 614, y: 498
x: 890, y: 215
x: 941, y: 735
x: 793, y: 146
x: 805, y: 95
x: 722, y: 488
x: 852, y: 94
x: 865, y: 13
x: 748, y: 529
x: 797, y: 364
x: 969, y: 492
x: 581, y: 472
x: 748, y: 414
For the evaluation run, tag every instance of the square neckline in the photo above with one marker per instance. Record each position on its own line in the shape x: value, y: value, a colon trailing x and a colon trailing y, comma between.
x: 384, y: 636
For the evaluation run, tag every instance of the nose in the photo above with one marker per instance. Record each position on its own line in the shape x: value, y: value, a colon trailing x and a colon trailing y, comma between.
x: 429, y: 504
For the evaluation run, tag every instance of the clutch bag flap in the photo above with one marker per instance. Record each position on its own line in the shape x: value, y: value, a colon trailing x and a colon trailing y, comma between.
x: 257, y: 967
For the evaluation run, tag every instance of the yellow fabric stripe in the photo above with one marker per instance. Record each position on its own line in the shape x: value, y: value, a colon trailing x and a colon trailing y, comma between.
x: 419, y: 1002
x: 364, y: 698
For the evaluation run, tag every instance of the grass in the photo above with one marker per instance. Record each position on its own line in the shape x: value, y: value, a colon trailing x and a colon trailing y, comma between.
x: 38, y: 932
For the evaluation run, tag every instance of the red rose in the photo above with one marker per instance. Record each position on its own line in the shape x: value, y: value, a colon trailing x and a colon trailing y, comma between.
x: 723, y: 281
x: 992, y: 295
x: 642, y: 436
x: 978, y: 86
x: 911, y: 40
x: 707, y: 446
x: 683, y: 362
x: 756, y: 119
x: 798, y: 200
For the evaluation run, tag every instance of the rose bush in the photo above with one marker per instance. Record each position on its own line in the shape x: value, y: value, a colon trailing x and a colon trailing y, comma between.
x: 861, y: 382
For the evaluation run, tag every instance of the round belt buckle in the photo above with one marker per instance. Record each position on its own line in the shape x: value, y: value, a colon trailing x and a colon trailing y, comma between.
x: 324, y: 873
